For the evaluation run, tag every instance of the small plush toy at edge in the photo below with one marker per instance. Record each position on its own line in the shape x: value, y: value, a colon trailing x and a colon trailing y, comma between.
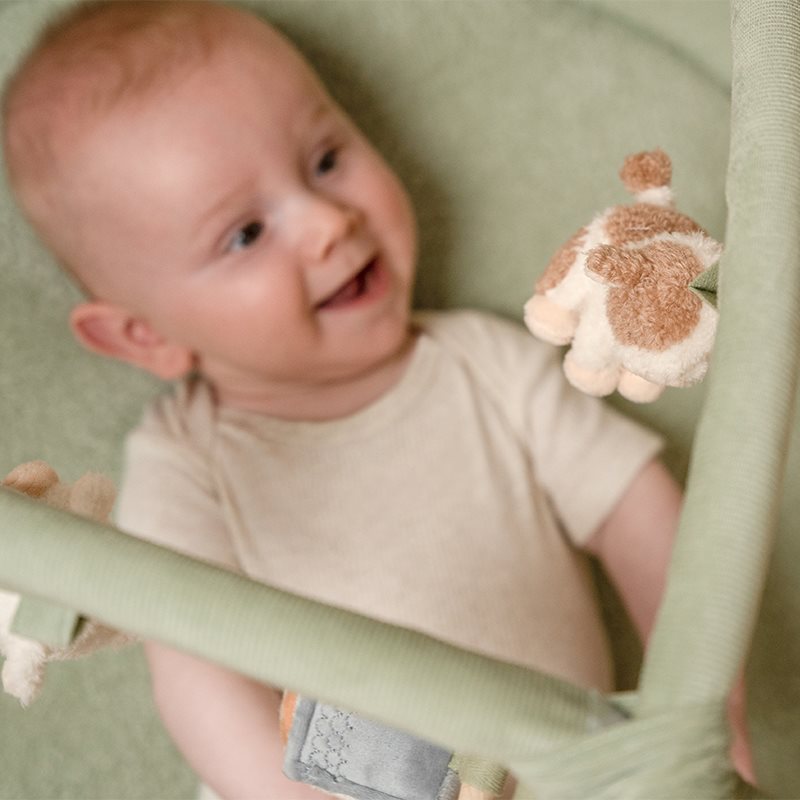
x: 25, y: 659
x: 619, y: 293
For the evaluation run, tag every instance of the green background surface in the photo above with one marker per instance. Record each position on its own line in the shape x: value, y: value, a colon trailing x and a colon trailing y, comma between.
x: 508, y: 121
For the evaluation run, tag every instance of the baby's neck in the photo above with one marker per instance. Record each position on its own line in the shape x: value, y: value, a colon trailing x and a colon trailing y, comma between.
x: 318, y: 402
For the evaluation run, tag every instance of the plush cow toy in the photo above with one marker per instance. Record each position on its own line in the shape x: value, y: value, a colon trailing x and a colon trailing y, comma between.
x: 619, y: 292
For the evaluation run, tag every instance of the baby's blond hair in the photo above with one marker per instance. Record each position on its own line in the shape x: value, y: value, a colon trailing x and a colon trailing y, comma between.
x: 93, y: 58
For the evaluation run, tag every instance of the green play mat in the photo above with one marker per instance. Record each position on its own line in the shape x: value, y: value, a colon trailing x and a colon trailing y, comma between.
x: 508, y: 121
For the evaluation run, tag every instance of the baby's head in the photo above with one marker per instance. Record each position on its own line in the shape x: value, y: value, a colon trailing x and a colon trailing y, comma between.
x: 185, y: 163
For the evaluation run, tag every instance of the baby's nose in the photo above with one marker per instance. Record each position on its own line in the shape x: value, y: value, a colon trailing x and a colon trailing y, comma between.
x: 322, y: 224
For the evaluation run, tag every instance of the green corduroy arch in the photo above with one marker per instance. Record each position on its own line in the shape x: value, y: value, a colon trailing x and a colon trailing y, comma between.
x: 669, y: 739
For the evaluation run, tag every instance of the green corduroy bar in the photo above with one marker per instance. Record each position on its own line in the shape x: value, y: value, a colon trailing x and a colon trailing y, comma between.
x: 409, y: 680
x: 741, y: 446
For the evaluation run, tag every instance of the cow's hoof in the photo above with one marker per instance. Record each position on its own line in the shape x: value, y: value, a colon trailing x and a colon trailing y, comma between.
x: 637, y: 389
x: 550, y: 322
x: 596, y: 382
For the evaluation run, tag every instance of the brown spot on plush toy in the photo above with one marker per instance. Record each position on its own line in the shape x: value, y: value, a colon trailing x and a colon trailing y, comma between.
x: 561, y: 262
x: 619, y: 292
x: 648, y: 305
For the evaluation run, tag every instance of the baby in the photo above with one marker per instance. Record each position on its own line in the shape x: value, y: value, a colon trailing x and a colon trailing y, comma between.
x: 235, y: 232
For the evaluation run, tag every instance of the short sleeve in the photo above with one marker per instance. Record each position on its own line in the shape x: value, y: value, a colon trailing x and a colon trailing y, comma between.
x: 584, y: 453
x: 168, y: 495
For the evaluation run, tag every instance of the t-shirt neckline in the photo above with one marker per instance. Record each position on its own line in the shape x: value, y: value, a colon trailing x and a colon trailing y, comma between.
x: 383, y: 411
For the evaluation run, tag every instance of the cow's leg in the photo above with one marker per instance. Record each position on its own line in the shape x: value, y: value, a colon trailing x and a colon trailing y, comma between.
x: 591, y: 379
x: 638, y: 389
x: 550, y: 322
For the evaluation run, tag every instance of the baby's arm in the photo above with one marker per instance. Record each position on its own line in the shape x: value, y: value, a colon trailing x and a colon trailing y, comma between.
x: 634, y: 545
x: 225, y: 724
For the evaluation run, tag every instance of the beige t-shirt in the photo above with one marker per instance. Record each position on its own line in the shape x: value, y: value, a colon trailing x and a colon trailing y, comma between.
x: 446, y: 506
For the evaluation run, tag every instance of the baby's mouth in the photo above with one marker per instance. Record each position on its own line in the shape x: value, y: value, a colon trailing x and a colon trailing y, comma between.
x: 353, y: 290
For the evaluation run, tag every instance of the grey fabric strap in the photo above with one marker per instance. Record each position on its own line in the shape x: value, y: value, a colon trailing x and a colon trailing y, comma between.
x: 343, y: 753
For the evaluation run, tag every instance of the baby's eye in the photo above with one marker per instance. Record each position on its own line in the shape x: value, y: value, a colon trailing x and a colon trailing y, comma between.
x: 247, y: 235
x: 328, y: 161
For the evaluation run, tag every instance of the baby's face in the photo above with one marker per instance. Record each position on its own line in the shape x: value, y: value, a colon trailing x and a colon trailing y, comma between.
x: 242, y: 215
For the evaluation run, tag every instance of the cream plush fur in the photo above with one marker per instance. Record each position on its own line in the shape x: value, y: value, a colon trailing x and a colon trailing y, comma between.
x: 25, y: 660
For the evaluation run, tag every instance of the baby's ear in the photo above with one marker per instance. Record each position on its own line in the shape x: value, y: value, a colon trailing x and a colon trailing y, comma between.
x: 110, y: 330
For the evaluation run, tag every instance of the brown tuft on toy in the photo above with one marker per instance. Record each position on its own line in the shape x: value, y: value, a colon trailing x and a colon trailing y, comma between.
x: 619, y: 293
x: 648, y: 170
x: 25, y: 659
x: 33, y: 478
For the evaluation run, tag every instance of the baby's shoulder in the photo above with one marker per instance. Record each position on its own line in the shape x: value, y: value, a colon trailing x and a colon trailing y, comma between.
x: 509, y: 373
x: 492, y: 345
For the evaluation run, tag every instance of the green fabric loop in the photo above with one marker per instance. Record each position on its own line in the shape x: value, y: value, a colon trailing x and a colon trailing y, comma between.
x: 706, y: 285
x: 678, y: 754
x: 46, y: 622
